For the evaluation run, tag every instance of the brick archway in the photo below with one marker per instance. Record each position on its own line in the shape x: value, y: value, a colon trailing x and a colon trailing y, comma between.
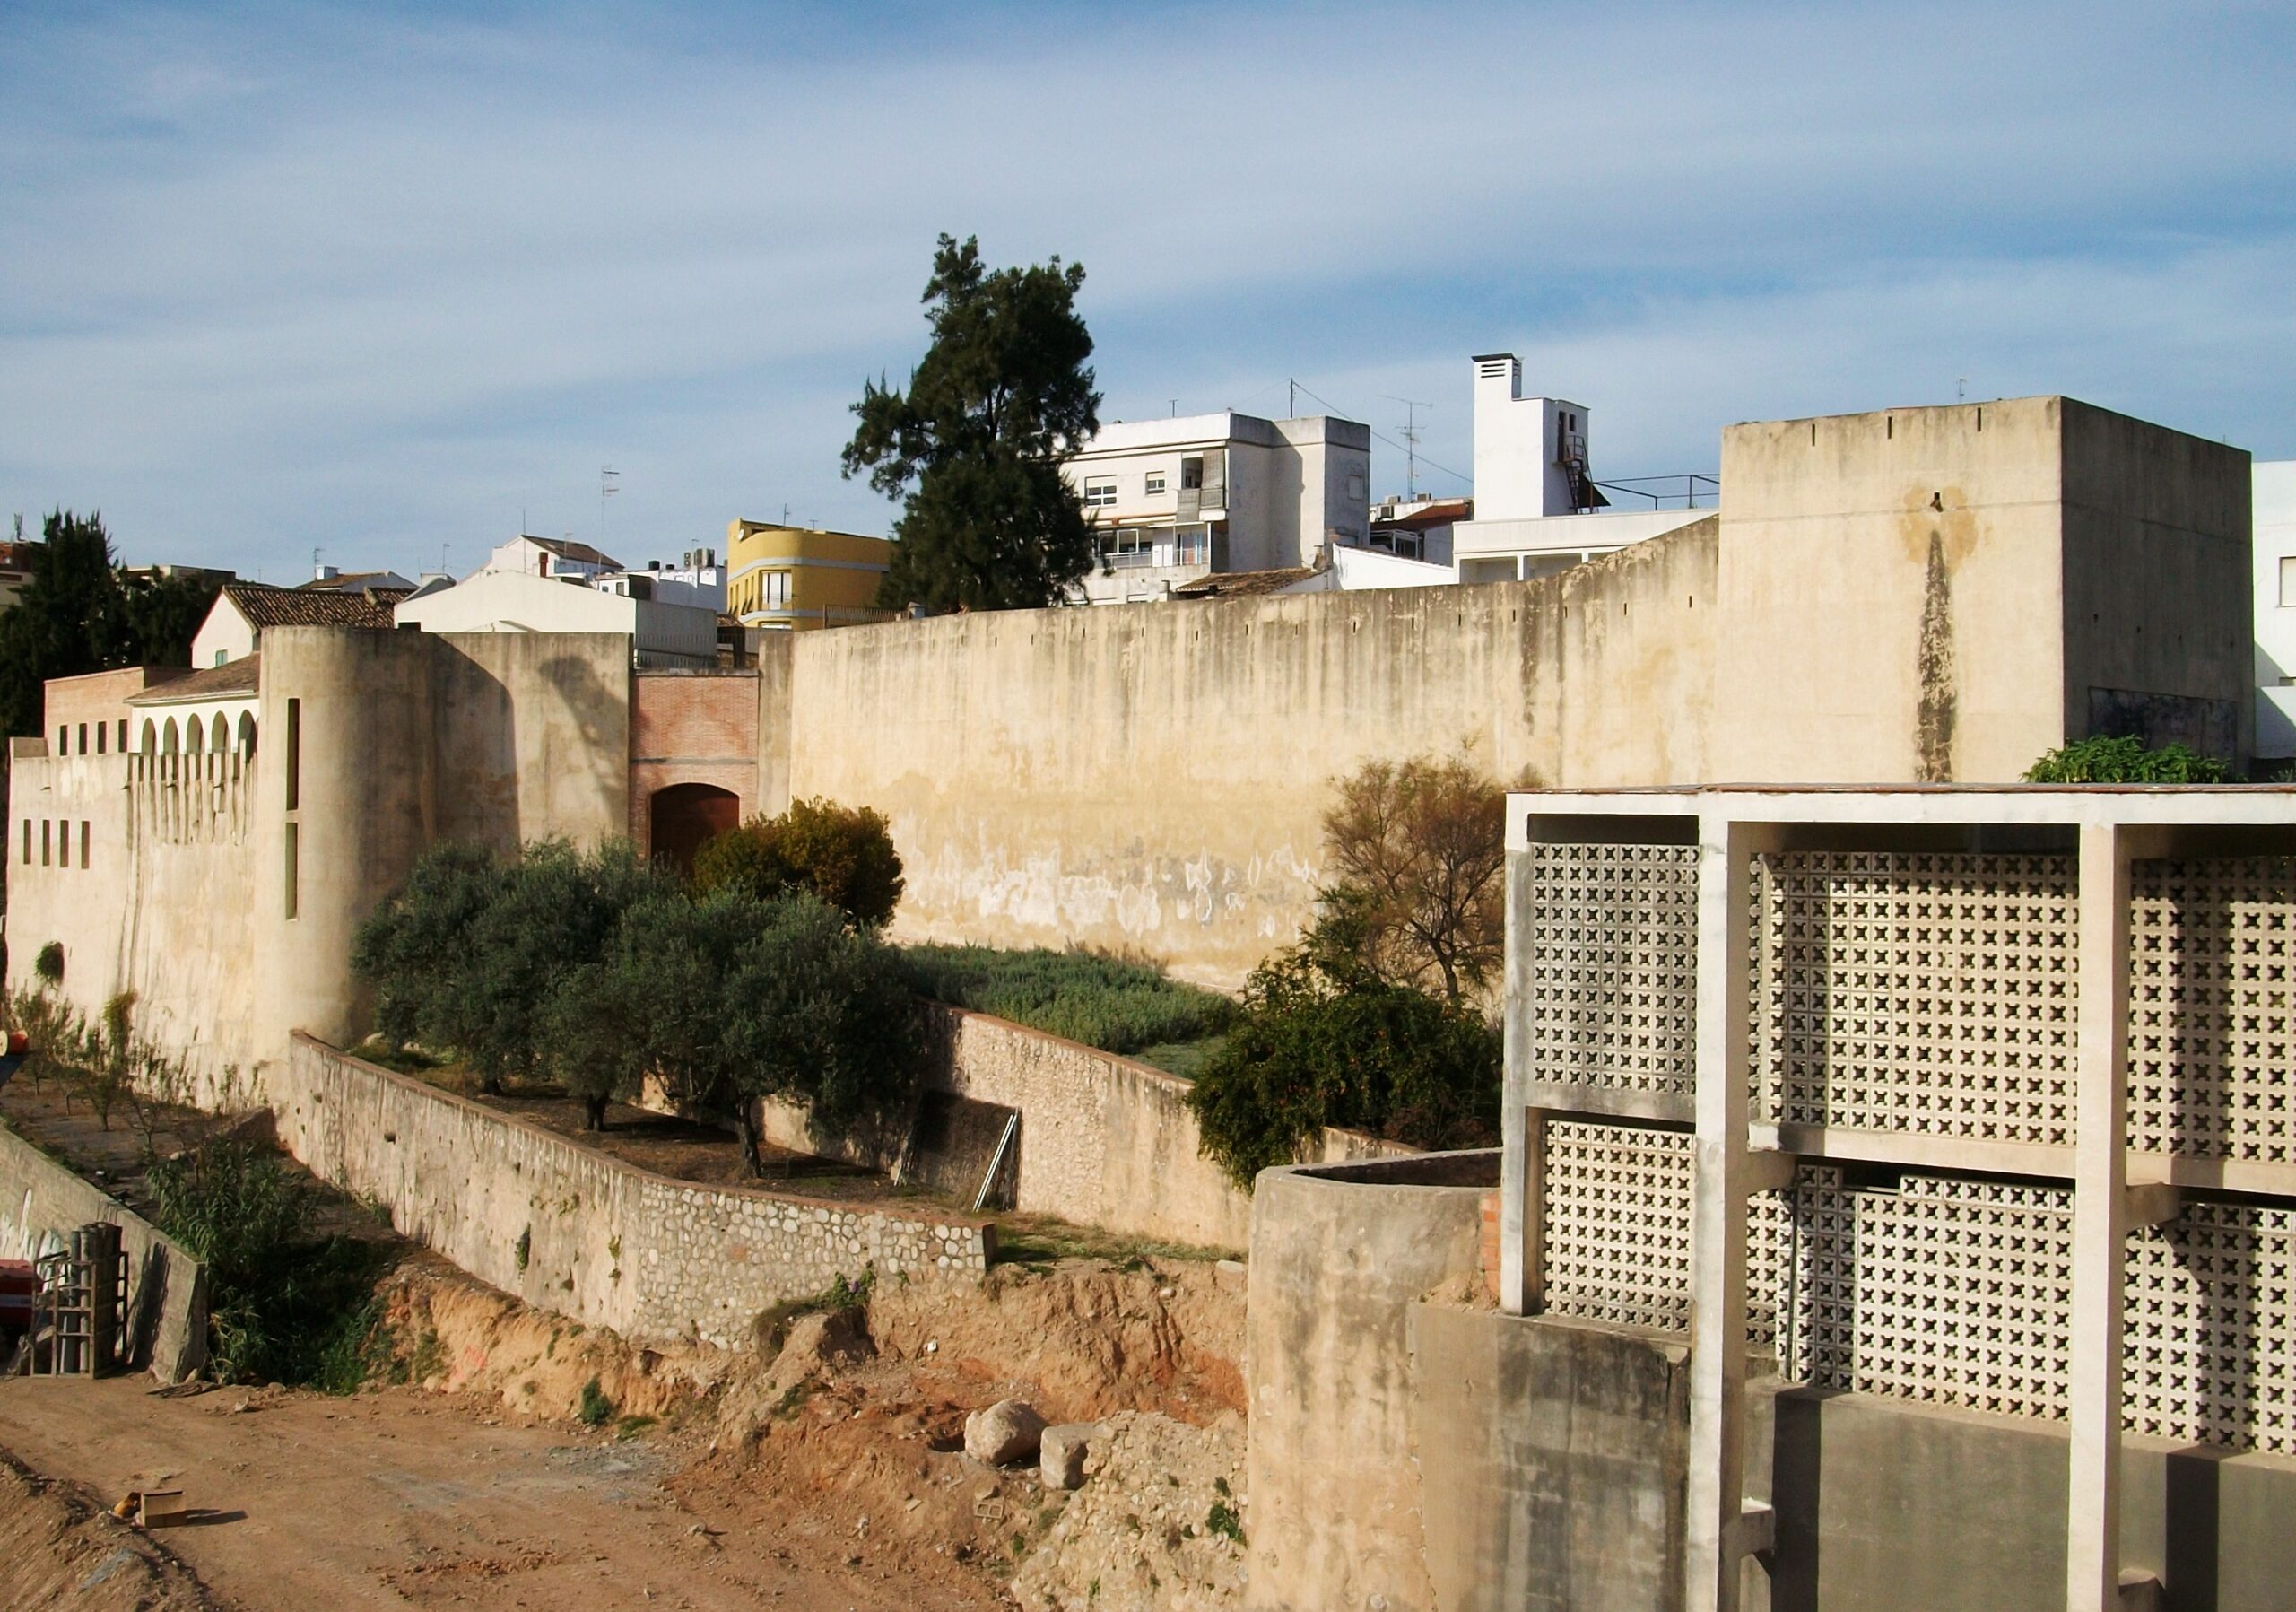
x: 684, y: 817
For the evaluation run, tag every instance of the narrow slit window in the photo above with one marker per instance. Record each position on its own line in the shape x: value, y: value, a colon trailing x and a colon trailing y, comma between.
x: 294, y: 772
x: 47, y: 841
x: 28, y: 842
x: 83, y: 739
x: 83, y: 844
x: 123, y: 736
x: 292, y: 848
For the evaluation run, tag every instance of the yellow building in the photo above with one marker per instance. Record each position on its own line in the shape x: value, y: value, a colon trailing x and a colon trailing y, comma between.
x: 782, y: 576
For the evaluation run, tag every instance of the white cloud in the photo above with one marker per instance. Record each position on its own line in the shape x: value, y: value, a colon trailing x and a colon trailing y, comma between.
x: 389, y: 281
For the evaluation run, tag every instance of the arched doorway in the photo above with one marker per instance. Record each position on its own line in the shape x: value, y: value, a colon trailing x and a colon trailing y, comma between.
x: 247, y: 733
x: 684, y: 817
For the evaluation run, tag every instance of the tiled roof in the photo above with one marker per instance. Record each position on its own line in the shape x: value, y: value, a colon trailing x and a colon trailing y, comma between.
x: 350, y: 581
x: 1243, y: 584
x: 582, y: 554
x: 266, y: 606
x: 240, y: 676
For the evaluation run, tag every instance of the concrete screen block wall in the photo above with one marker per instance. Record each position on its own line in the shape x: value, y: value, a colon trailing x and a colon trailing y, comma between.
x: 164, y: 1327
x: 579, y: 1233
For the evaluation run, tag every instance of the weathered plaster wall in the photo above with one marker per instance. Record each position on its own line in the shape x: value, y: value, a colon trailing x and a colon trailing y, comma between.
x: 603, y: 1242
x: 2159, y: 623
x: 162, y: 906
x: 1339, y: 1256
x: 692, y: 728
x: 98, y: 700
x: 533, y: 733
x: 1156, y: 778
x: 1894, y: 593
x: 1930, y: 594
x: 164, y: 1327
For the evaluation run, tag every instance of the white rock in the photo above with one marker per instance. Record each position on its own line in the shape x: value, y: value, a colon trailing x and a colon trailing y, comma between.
x: 1061, y: 1454
x: 1007, y: 1431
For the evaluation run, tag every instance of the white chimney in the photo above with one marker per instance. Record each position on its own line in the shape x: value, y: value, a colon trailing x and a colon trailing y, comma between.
x: 1524, y: 447
x: 324, y: 573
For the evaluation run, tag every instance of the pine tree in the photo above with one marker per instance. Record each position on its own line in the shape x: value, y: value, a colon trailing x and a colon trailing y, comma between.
x: 975, y: 444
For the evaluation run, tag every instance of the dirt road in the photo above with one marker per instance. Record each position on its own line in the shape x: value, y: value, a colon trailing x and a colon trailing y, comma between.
x: 401, y: 1498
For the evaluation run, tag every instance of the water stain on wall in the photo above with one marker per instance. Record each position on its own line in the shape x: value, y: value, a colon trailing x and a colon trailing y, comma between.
x: 1941, y: 531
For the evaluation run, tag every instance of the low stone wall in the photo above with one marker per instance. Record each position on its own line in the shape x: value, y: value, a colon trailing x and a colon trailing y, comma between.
x: 40, y: 1204
x: 1104, y: 1141
x: 575, y: 1231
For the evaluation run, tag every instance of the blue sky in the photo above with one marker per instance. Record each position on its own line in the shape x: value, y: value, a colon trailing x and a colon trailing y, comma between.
x: 377, y: 280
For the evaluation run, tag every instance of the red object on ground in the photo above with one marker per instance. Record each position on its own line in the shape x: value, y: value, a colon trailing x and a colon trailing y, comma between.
x: 19, y: 1283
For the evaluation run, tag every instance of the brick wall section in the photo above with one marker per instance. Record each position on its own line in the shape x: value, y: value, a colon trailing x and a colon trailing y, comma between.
x: 692, y: 728
x: 571, y: 1230
x: 41, y: 1203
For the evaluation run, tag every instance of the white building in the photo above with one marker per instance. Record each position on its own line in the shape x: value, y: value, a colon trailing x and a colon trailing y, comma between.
x: 698, y: 578
x: 501, y: 601
x: 1537, y: 509
x: 1181, y: 499
x: 560, y: 557
x: 214, y: 708
x: 2275, y: 548
x: 235, y: 622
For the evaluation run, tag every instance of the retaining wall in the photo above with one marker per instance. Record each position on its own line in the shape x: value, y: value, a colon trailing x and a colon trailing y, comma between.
x: 1104, y: 1141
x: 575, y: 1231
x: 41, y: 1202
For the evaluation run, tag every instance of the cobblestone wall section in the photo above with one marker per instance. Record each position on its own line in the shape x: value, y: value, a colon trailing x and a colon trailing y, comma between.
x: 578, y: 1233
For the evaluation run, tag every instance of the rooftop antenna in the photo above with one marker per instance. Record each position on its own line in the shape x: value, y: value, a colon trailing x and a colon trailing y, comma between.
x: 1176, y: 408
x: 785, y: 515
x: 1961, y: 389
x: 442, y: 559
x: 1292, y: 409
x: 607, y: 476
x: 316, y: 552
x: 1411, y: 407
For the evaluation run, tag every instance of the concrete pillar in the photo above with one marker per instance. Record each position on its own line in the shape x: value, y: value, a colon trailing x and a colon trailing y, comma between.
x: 1522, y: 1211
x: 2101, y: 1223
x: 1722, y: 1174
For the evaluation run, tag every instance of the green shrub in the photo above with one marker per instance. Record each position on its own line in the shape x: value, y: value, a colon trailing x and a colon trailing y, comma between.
x: 1323, y: 1041
x: 469, y: 951
x: 843, y: 855
x: 596, y: 1410
x: 49, y: 963
x: 2125, y: 761
x: 1101, y: 1001
x: 285, y: 1305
